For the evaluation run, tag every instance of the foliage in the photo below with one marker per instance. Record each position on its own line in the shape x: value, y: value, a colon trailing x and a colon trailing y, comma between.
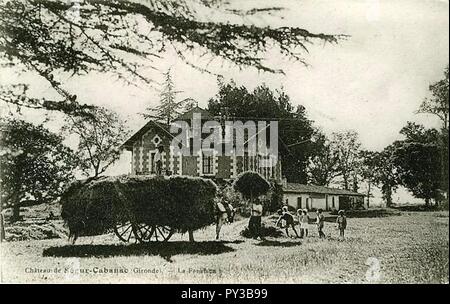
x: 294, y: 128
x: 184, y: 203
x: 323, y: 166
x: 418, y: 161
x: 379, y: 168
x: 438, y: 104
x: 100, y: 136
x: 34, y: 164
x: 56, y: 38
x: 275, y: 200
x: 251, y: 185
x: 227, y: 195
x: 347, y: 148
x: 168, y: 108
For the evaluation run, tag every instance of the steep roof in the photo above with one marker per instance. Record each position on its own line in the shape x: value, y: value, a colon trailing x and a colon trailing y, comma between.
x: 301, y: 188
x: 188, y: 115
x: 149, y: 125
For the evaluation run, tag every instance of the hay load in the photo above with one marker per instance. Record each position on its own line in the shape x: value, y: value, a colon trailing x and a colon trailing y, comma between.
x: 94, y: 207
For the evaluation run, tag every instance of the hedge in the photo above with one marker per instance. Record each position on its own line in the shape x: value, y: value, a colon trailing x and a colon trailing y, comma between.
x: 93, y: 207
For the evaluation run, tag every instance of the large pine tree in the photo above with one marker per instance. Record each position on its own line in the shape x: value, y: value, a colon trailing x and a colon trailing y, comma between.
x: 169, y: 107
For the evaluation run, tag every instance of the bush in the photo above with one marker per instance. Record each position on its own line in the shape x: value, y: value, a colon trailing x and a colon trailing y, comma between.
x: 227, y: 195
x: 183, y: 203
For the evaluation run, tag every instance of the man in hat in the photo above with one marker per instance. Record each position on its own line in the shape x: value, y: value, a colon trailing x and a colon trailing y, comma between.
x: 158, y: 160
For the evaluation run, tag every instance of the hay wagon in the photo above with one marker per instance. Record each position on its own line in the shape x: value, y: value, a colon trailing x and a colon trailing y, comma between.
x: 139, y: 209
x: 133, y: 231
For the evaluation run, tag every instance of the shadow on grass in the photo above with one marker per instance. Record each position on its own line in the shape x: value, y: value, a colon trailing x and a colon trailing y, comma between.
x: 278, y: 243
x: 165, y: 250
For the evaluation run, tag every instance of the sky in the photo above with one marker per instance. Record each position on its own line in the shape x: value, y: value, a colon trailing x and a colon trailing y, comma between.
x: 372, y: 82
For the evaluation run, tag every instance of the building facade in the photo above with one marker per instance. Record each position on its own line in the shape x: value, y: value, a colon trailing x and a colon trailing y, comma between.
x: 312, y: 197
x: 205, y: 163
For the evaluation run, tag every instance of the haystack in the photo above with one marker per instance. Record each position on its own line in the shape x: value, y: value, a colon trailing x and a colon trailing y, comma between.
x: 94, y: 207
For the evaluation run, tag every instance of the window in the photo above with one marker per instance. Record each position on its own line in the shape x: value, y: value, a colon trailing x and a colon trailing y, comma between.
x: 332, y: 203
x: 207, y: 164
x: 156, y: 140
x: 246, y: 161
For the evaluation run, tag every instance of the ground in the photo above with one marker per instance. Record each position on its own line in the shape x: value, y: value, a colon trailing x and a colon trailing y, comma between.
x: 381, y: 247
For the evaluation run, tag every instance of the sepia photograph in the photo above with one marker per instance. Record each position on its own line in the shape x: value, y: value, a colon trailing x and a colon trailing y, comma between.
x: 224, y: 142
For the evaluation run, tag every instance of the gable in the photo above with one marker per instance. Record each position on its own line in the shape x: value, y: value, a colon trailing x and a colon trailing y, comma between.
x: 147, y: 134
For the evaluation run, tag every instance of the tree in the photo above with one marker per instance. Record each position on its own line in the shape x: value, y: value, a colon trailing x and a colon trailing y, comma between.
x: 100, y: 139
x: 378, y: 169
x: 347, y: 148
x: 323, y: 166
x: 251, y: 185
x: 368, y: 173
x: 438, y: 105
x: 34, y: 165
x: 294, y: 128
x: 58, y: 38
x: 417, y: 159
x: 168, y: 108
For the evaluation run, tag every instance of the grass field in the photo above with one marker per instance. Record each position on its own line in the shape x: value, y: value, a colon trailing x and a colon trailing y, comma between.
x: 381, y: 247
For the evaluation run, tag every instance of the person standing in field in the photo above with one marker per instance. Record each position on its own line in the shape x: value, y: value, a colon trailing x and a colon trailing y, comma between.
x: 320, y: 221
x: 342, y: 224
x: 254, y: 224
x: 304, y: 223
x: 158, y: 160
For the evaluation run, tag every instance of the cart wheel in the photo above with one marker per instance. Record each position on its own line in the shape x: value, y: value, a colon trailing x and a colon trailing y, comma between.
x: 149, y: 233
x: 126, y: 232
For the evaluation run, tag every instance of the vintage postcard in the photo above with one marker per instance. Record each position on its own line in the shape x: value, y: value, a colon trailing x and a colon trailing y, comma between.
x: 224, y: 141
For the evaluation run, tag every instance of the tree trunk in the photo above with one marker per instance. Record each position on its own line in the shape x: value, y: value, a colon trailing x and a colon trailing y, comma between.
x: 16, y: 213
x: 387, y: 195
x: 16, y: 209
x: 2, y: 228
x: 427, y: 202
x: 191, y: 236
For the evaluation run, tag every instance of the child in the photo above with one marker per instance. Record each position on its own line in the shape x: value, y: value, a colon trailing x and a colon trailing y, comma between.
x: 320, y: 219
x: 342, y: 224
x: 304, y: 223
x: 289, y: 220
